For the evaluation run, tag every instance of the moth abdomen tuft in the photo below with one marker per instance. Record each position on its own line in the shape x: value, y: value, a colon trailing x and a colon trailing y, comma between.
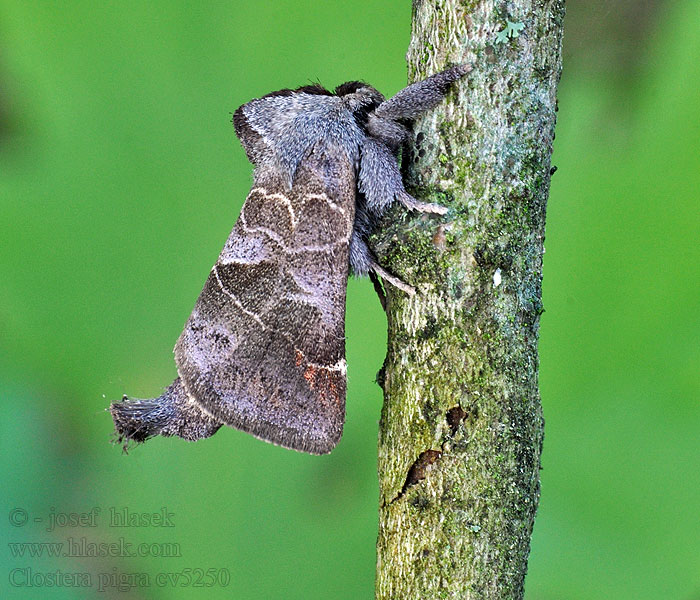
x: 172, y: 413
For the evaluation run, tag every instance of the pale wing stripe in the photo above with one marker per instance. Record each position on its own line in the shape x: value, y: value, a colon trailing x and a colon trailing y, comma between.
x: 328, y: 201
x: 282, y: 198
x: 236, y: 301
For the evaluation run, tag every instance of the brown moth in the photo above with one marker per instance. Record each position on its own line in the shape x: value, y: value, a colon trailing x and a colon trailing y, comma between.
x: 264, y: 348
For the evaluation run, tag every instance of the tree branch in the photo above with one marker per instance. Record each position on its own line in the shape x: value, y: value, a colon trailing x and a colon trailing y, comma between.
x: 461, y: 428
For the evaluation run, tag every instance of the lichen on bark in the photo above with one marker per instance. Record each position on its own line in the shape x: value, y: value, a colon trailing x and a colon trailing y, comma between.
x: 461, y: 428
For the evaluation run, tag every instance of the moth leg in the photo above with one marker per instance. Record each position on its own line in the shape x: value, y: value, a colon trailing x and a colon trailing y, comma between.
x: 418, y: 97
x: 380, y: 182
x: 379, y: 288
x: 425, y: 207
x: 362, y: 260
x: 395, y: 281
x: 363, y: 263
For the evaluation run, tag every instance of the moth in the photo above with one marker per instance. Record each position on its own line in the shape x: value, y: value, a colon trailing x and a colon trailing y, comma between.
x: 264, y: 348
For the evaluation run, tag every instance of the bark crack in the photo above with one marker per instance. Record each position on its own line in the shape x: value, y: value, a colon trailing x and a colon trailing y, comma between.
x: 418, y: 470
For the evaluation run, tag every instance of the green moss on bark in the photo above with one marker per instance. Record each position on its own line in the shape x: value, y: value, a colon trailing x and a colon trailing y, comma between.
x: 461, y: 427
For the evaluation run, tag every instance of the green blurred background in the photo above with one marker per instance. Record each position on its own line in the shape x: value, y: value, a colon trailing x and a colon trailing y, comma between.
x: 120, y: 178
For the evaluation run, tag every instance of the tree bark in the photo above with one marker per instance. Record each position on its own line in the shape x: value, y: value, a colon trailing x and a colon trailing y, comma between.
x: 461, y: 428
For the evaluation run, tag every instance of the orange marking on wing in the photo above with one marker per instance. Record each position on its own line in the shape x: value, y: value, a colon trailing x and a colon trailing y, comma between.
x: 310, y: 376
x: 323, y: 380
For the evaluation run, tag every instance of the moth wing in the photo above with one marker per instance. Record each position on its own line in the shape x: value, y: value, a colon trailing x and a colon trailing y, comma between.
x: 264, y: 348
x: 279, y: 129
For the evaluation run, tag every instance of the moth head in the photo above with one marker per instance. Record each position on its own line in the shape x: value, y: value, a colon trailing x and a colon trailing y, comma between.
x: 363, y: 100
x: 386, y: 121
x: 359, y: 97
